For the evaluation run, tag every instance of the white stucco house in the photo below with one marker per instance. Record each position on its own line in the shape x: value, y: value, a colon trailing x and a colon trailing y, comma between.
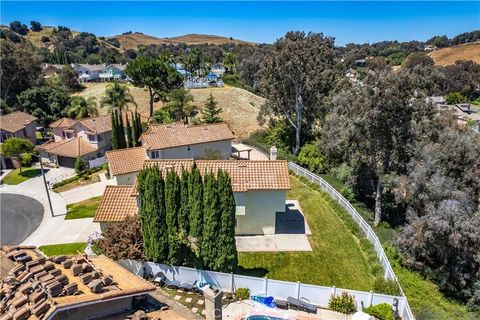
x: 218, y: 69
x: 259, y: 188
x: 179, y: 141
x: 88, y: 72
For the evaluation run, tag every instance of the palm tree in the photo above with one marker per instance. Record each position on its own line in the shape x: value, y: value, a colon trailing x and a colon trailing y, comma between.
x: 82, y: 108
x: 117, y: 97
x: 179, y: 105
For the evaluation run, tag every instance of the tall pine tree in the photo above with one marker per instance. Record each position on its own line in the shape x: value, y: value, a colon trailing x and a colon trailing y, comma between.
x: 210, y: 112
x: 227, y: 257
x: 211, y: 222
x: 114, y: 130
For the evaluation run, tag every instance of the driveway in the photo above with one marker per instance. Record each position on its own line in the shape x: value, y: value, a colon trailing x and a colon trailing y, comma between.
x: 86, y: 192
x: 20, y: 216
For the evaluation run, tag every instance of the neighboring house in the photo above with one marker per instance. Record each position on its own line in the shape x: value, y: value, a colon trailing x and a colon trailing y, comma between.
x: 16, y: 124
x: 88, y: 72
x: 113, y: 72
x: 179, y: 141
x: 259, y: 188
x: 436, y: 100
x: 96, y: 288
x: 122, y: 171
x: 430, y: 47
x: 181, y: 69
x: 218, y: 69
x: 88, y: 138
x: 465, y: 113
x: 351, y: 74
x: 50, y: 70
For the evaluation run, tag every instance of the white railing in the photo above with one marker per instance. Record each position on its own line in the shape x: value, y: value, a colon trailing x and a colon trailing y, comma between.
x: 230, y: 282
x: 364, y: 226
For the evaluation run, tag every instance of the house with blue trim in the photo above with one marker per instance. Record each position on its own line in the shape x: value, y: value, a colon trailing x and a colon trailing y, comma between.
x: 113, y: 71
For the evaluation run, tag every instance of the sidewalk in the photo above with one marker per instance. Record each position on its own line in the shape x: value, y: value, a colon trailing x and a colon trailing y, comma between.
x: 86, y: 192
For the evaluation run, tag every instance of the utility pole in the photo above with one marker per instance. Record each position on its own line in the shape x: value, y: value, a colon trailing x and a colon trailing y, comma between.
x: 45, y: 184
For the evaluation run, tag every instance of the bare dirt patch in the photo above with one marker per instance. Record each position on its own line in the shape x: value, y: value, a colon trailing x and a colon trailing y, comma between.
x: 240, y: 107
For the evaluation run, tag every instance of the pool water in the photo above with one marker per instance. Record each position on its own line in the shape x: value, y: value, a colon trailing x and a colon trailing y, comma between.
x: 260, y: 317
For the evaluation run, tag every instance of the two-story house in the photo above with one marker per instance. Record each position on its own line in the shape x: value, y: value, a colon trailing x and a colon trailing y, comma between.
x: 180, y: 141
x: 16, y: 124
x: 88, y: 72
x: 113, y: 72
x: 259, y: 188
x: 218, y: 69
x: 87, y: 139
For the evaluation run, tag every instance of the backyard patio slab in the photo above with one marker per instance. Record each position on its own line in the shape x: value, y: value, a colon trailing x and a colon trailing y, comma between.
x: 291, y: 229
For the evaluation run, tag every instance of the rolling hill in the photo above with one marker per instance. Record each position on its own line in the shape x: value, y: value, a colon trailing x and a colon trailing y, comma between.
x: 449, y: 55
x: 133, y: 40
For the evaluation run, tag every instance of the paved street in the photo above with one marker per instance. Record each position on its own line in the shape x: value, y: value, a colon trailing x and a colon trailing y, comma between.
x: 19, y: 217
x: 53, y: 230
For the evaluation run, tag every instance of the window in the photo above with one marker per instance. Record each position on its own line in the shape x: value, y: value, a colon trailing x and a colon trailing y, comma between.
x: 240, y: 210
x: 68, y: 135
x: 92, y: 138
x: 5, y: 136
x: 155, y: 154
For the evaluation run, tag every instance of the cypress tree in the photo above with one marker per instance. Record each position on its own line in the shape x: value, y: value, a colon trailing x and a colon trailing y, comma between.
x: 129, y: 140
x: 152, y: 215
x: 122, y: 144
x: 114, y: 130
x: 227, y: 259
x: 172, y: 206
x: 184, y: 200
x: 138, y: 128
x: 211, y: 222
x: 195, y: 215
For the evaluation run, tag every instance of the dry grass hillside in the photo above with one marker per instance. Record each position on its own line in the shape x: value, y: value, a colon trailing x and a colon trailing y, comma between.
x: 240, y: 107
x: 132, y: 41
x: 448, y: 56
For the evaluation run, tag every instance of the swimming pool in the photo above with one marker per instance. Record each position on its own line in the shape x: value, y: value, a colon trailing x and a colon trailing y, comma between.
x: 260, y: 317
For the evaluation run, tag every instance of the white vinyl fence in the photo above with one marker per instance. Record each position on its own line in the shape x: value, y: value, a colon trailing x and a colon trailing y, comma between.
x: 364, y: 226
x: 229, y: 282
x: 96, y: 162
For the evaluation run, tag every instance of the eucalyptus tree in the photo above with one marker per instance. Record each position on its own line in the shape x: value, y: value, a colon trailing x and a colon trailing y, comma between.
x: 297, y: 75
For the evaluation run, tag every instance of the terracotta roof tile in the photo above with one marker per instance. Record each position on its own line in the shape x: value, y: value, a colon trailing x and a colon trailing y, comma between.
x: 63, y: 123
x: 116, y: 204
x: 126, y: 160
x: 175, y: 135
x: 74, y: 148
x: 245, y: 174
x: 15, y: 121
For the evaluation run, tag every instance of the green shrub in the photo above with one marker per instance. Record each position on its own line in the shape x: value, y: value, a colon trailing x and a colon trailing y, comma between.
x: 386, y: 286
x: 343, y: 303
x: 341, y: 172
x: 242, y: 293
x: 79, y: 165
x: 311, y: 158
x: 455, y: 97
x: 348, y: 194
x: 380, y: 311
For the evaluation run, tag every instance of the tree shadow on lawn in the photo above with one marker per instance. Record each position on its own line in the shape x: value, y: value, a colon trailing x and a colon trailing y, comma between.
x: 30, y: 173
x: 253, y: 272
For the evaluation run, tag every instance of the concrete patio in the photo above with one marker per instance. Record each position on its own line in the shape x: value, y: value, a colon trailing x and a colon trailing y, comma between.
x: 292, y: 233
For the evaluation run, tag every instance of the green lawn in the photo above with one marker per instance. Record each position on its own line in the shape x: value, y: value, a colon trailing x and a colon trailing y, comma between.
x: 83, y: 209
x: 63, y: 249
x: 15, y: 177
x: 337, y: 258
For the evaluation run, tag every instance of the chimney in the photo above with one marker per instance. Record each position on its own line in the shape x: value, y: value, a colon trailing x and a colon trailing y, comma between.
x: 273, y: 153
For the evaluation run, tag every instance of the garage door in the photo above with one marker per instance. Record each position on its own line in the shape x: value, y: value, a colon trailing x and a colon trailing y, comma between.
x: 66, y: 162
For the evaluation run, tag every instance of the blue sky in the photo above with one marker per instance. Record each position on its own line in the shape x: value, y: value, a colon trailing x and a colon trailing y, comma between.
x: 356, y: 21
